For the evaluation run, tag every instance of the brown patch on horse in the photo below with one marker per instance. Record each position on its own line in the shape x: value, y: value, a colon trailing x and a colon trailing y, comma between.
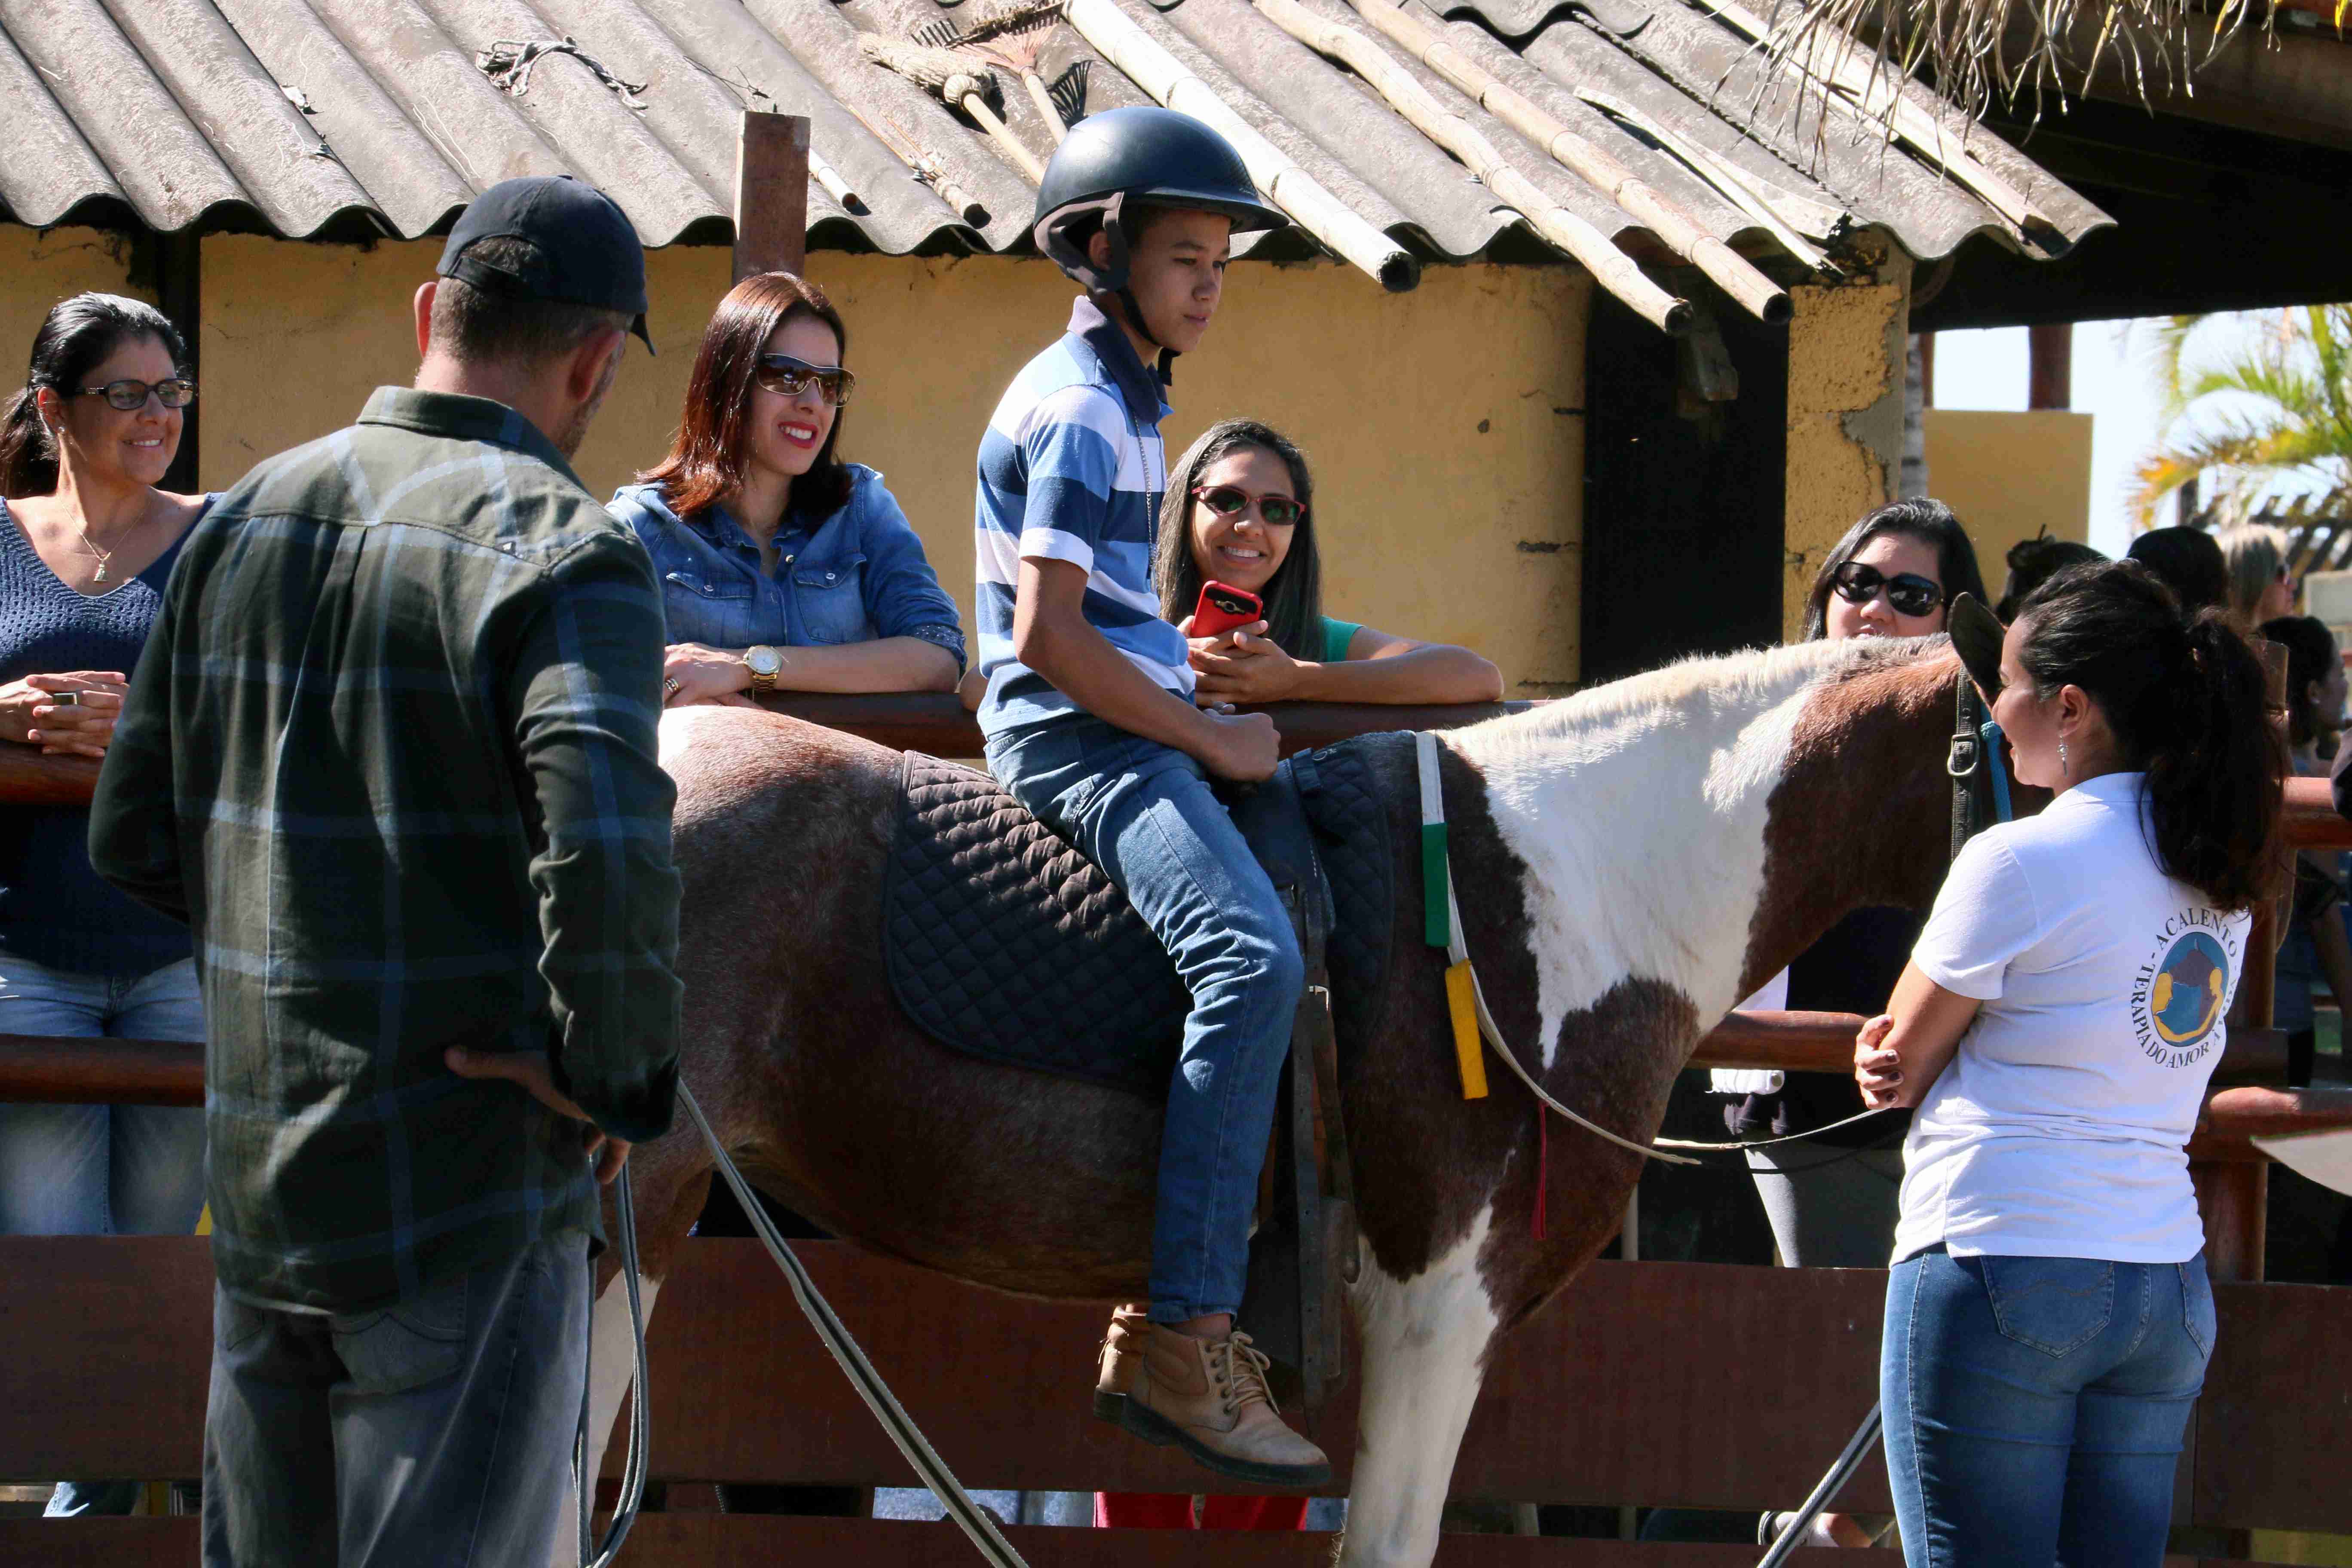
x: 1855, y: 820
x: 1445, y: 1159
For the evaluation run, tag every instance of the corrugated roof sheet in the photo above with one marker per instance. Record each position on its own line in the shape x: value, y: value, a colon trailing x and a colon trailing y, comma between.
x: 306, y: 117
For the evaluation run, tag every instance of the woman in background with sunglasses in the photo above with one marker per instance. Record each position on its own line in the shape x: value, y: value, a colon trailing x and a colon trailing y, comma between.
x: 1238, y: 510
x: 782, y: 568
x: 87, y: 544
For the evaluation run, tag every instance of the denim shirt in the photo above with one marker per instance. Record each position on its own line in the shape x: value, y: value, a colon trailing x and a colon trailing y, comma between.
x: 858, y: 575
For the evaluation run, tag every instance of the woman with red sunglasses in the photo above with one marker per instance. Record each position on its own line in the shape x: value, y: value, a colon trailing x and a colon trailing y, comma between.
x: 1239, y: 511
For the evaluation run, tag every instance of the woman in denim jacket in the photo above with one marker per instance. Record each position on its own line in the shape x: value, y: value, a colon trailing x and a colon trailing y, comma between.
x: 782, y: 567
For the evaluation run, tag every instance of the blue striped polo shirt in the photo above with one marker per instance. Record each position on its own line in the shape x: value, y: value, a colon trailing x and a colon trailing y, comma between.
x: 1072, y: 469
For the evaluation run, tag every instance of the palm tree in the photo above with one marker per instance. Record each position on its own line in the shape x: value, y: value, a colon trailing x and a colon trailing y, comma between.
x: 2269, y: 418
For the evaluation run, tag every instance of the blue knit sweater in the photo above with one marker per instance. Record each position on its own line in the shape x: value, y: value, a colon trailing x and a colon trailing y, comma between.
x: 54, y: 910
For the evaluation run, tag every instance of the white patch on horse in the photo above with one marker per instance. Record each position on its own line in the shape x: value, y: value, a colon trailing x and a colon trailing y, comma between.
x: 1639, y: 809
x: 1424, y: 1343
x: 679, y: 729
x: 611, y: 1355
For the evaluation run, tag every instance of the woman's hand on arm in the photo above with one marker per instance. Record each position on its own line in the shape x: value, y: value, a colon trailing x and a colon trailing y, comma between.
x: 31, y: 714
x: 1243, y: 665
x: 1899, y: 1054
x: 705, y: 676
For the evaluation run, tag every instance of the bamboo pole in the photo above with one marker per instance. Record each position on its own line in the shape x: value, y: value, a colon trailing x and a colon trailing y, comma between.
x: 1599, y: 257
x: 1117, y: 39
x: 955, y: 79
x: 1834, y: 64
x: 1755, y: 293
x: 928, y: 165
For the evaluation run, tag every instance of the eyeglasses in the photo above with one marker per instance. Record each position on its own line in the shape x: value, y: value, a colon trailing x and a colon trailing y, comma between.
x: 1226, y: 501
x: 130, y: 395
x: 1907, y: 592
x: 789, y: 377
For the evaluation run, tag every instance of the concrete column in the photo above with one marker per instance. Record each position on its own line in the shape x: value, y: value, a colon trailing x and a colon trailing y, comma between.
x: 1847, y: 374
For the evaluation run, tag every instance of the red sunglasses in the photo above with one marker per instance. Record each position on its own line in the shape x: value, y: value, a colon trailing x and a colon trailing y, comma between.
x: 1226, y: 501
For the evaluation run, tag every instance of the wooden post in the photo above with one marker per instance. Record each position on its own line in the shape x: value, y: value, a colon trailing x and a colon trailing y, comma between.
x: 771, y: 173
x: 2050, y: 365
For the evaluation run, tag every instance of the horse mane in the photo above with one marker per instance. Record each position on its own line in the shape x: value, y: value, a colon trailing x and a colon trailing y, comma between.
x: 1753, y: 678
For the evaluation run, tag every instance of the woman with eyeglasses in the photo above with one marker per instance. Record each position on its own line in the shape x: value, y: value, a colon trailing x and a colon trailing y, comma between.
x: 87, y: 544
x: 1831, y: 1198
x: 1239, y: 511
x: 783, y: 568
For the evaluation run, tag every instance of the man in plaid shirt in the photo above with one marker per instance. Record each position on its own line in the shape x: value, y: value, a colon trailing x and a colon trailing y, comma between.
x: 391, y: 751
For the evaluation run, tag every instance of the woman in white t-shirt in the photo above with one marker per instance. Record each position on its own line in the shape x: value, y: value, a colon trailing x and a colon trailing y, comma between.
x: 2048, y: 1320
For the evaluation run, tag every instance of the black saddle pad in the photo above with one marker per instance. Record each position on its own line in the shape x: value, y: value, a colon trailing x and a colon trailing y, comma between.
x: 1004, y: 942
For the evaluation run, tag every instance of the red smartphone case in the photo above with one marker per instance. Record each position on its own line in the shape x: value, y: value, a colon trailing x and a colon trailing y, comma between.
x: 1223, y: 607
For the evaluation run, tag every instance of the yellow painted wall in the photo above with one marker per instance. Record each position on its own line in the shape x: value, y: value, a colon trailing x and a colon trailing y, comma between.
x: 1846, y: 415
x: 2008, y: 476
x: 39, y: 268
x: 1449, y: 490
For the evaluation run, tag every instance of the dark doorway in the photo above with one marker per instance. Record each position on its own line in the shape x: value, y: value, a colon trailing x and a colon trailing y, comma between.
x: 1682, y: 498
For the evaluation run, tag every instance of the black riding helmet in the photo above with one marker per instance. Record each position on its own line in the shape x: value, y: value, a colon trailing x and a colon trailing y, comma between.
x: 1145, y: 155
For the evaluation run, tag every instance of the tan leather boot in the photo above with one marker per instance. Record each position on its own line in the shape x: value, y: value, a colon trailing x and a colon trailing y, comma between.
x: 1208, y: 1397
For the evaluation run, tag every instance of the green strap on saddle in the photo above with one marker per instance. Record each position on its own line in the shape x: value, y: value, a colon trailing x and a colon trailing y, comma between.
x: 1436, y: 879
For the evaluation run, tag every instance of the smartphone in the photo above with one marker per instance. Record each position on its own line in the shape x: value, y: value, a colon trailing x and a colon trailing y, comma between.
x: 1223, y: 607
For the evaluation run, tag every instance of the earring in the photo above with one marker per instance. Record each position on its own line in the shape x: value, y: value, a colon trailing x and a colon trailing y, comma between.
x: 2063, y: 769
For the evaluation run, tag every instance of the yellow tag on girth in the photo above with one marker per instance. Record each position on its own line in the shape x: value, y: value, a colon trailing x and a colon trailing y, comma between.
x: 1462, y: 1003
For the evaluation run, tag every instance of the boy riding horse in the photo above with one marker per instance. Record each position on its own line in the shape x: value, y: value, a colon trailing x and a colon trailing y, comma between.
x: 1090, y: 724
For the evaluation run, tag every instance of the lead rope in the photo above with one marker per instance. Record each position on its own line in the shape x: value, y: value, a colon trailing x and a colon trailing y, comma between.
x: 975, y: 1522
x: 1466, y: 1000
x: 594, y: 1553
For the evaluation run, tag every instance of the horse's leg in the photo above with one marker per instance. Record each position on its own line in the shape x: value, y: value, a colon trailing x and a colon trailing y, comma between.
x: 1425, y: 1349
x: 668, y: 1197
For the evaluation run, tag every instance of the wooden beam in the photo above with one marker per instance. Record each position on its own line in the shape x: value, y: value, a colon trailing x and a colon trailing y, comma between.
x: 1597, y: 1399
x: 771, y: 173
x: 755, y: 1540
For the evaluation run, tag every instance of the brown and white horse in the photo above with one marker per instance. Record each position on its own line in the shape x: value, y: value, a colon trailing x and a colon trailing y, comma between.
x: 1631, y: 862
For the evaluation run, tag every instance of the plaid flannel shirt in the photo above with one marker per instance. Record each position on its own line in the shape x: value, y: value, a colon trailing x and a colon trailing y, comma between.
x: 391, y: 751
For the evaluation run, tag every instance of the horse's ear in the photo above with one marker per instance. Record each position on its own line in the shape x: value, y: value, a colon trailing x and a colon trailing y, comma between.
x: 1978, y: 634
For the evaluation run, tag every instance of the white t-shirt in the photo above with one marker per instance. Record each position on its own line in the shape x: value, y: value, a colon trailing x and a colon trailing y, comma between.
x: 2057, y: 1130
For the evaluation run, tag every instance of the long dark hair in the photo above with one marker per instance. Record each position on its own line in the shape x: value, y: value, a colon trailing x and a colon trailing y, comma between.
x: 2310, y: 649
x: 1930, y: 523
x: 75, y: 338
x: 707, y: 455
x: 1294, y: 595
x: 2186, y: 700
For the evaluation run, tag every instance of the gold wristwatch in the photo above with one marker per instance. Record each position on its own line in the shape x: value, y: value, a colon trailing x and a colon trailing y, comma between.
x: 765, y: 663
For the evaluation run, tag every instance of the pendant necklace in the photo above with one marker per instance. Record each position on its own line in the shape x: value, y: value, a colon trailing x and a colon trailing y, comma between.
x: 100, y: 556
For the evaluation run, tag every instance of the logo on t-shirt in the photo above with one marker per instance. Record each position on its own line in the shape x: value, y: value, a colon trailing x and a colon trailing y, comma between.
x: 2179, y: 995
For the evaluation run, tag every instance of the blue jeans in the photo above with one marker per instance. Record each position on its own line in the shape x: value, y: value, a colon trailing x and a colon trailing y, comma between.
x: 437, y: 1430
x: 2035, y: 1406
x: 1143, y: 812
x: 100, y: 1169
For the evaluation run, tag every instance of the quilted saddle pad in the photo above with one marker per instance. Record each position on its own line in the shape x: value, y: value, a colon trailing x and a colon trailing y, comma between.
x: 1002, y: 942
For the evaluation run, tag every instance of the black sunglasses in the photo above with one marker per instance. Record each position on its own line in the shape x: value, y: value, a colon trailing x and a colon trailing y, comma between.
x: 130, y: 395
x: 1907, y: 592
x: 789, y: 377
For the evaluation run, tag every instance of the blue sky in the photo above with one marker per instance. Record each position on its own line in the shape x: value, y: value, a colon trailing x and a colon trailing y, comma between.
x: 2113, y: 383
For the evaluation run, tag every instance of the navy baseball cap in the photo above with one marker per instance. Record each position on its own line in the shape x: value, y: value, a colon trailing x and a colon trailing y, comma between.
x: 588, y: 252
